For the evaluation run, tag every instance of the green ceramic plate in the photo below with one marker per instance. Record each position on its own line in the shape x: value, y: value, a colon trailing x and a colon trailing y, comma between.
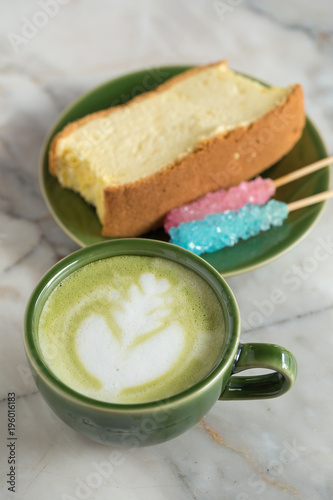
x: 79, y: 220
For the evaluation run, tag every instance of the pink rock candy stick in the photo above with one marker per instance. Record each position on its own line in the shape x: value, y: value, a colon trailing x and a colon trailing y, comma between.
x: 257, y: 192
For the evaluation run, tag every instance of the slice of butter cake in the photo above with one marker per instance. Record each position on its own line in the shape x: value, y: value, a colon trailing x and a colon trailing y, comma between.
x: 206, y: 129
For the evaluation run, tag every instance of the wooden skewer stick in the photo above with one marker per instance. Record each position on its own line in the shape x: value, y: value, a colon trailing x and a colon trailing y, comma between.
x: 303, y: 171
x: 311, y: 200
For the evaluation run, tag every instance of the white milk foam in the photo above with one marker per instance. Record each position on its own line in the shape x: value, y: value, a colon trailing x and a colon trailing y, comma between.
x: 118, y: 368
x: 120, y: 364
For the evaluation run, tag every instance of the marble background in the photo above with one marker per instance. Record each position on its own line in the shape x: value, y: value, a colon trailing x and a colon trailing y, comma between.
x: 278, y: 449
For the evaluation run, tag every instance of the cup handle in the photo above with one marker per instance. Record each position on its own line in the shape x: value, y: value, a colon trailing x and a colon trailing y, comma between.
x: 272, y: 385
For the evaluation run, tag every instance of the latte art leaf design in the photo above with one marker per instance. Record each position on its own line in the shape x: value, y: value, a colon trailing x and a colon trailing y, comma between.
x: 145, y: 330
x: 142, y: 315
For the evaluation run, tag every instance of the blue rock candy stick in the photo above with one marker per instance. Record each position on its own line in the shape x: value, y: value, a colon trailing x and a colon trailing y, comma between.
x: 225, y: 229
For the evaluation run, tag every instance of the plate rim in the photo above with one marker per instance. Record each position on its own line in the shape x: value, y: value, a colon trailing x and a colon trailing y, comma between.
x: 51, y: 132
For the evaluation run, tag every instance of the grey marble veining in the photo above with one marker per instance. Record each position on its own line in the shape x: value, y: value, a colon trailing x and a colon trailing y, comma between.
x: 279, y: 449
x: 314, y: 19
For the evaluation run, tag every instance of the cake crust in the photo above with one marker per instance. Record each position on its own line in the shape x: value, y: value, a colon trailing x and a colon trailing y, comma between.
x: 219, y: 162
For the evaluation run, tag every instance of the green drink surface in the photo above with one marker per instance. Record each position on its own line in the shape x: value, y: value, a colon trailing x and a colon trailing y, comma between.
x: 131, y: 329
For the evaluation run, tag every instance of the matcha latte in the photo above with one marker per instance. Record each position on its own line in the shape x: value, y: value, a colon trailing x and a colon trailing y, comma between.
x: 131, y: 329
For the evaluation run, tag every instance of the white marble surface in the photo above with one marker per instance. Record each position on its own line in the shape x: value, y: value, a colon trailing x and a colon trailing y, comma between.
x: 276, y: 449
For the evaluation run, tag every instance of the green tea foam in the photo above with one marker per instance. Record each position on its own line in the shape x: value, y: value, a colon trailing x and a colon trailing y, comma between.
x: 131, y: 329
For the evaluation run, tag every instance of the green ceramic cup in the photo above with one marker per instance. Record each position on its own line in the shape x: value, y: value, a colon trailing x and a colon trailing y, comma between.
x: 151, y: 423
